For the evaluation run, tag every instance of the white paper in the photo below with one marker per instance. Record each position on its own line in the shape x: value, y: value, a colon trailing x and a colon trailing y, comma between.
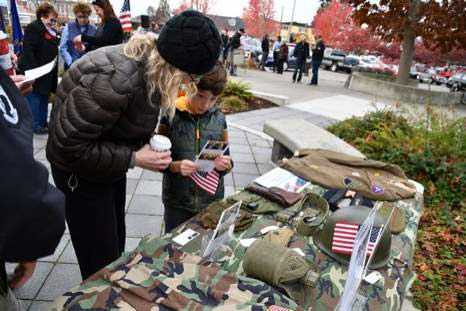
x: 38, y: 72
x: 186, y: 237
x: 373, y: 277
x: 283, y: 179
x: 247, y: 242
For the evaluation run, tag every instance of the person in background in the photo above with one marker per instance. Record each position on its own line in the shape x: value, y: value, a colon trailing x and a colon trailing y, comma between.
x: 32, y: 212
x: 301, y: 53
x: 317, y: 57
x: 109, y: 31
x: 107, y: 107
x: 235, y: 43
x: 282, y: 57
x: 225, y: 45
x: 80, y: 26
x: 265, y: 51
x: 40, y: 46
x: 276, y: 49
x: 145, y: 27
x: 197, y: 120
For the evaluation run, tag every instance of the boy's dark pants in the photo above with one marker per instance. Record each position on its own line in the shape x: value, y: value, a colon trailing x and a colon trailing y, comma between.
x: 174, y: 217
x: 95, y: 213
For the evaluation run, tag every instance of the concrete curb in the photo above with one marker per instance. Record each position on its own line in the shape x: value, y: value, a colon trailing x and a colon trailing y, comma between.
x: 279, y: 100
x: 251, y: 131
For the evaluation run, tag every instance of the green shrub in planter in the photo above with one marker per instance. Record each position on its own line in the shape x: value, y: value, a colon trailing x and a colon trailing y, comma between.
x: 232, y: 104
x: 239, y: 89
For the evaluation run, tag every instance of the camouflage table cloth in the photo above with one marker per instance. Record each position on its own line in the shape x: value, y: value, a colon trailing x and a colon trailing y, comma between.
x: 159, y: 276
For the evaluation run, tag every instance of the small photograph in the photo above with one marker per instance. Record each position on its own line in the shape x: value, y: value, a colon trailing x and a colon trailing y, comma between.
x: 216, y: 145
x: 209, y: 156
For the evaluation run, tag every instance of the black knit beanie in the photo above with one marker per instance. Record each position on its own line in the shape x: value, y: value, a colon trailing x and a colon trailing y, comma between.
x: 191, y: 42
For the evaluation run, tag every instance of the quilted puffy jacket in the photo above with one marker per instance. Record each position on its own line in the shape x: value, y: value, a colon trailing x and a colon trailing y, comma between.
x: 101, y: 115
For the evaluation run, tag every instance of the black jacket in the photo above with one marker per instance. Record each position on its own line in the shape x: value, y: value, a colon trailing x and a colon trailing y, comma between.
x: 32, y: 211
x: 265, y: 45
x: 301, y: 51
x: 235, y: 41
x: 109, y: 33
x: 318, y: 52
x: 101, y: 115
x: 39, y: 48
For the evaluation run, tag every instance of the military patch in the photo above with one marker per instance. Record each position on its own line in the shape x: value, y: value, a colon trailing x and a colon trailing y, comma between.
x: 351, y: 183
x: 347, y: 181
x: 376, y: 189
x: 7, y: 109
x: 277, y: 308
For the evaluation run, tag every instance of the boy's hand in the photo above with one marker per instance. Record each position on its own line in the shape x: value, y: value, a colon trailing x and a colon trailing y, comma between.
x: 22, y: 274
x: 151, y: 160
x: 223, y: 163
x: 188, y: 167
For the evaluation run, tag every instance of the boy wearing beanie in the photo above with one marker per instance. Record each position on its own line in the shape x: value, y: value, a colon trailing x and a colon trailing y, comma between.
x: 197, y: 120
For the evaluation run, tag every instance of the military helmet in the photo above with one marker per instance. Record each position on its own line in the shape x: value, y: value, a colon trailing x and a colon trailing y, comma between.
x: 348, y: 219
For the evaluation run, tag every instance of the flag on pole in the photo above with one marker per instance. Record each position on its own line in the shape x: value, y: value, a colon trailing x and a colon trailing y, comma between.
x: 345, y: 235
x: 207, y: 181
x: 125, y: 17
x: 16, y: 27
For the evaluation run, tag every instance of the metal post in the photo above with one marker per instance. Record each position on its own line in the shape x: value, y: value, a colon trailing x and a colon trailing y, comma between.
x: 292, y: 17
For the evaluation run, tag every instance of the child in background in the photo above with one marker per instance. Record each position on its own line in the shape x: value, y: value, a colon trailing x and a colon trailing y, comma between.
x: 197, y: 120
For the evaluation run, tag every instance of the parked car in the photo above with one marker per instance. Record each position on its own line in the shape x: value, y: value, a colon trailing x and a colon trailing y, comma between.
x: 348, y: 64
x: 438, y: 79
x: 290, y: 64
x: 416, y: 70
x: 457, y: 82
x: 251, y: 45
x: 425, y: 77
x: 332, y: 57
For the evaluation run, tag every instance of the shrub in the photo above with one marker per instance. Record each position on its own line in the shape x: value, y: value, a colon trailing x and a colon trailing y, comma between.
x: 232, y: 104
x: 239, y: 89
x: 432, y: 150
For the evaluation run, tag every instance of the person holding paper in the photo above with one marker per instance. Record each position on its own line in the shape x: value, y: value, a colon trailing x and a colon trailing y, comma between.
x: 109, y: 31
x: 197, y: 120
x: 80, y: 26
x: 40, y: 46
x: 107, y: 107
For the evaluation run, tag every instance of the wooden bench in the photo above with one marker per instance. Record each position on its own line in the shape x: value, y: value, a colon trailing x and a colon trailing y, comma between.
x: 291, y: 135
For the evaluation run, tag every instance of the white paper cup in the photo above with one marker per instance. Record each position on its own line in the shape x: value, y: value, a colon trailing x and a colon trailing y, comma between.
x: 160, y: 143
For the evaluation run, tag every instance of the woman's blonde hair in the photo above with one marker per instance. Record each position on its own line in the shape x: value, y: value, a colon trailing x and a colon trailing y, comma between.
x: 160, y: 75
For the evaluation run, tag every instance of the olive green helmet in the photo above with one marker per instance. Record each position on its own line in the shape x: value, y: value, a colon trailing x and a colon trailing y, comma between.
x: 345, y: 218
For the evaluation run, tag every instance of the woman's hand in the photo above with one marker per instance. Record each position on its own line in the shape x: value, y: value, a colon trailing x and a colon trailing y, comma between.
x: 188, y: 167
x: 26, y: 87
x: 223, y: 163
x: 22, y: 274
x: 149, y: 159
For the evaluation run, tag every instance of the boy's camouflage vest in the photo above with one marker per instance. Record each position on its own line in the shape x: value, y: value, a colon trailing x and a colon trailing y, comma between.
x: 188, y: 135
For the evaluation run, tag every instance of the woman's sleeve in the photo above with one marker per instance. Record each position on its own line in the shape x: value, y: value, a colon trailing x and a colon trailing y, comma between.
x: 112, y: 34
x: 31, y: 43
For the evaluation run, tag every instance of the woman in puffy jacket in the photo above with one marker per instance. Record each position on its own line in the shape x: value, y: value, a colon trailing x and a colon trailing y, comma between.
x: 106, y: 109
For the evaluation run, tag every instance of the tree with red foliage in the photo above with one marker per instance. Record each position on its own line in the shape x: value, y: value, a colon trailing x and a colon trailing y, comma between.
x: 334, y: 23
x: 258, y: 18
x: 203, y: 6
x: 440, y: 24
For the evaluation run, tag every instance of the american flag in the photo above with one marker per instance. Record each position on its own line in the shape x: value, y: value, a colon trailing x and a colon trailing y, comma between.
x: 125, y: 17
x: 345, y: 234
x: 277, y: 308
x: 207, y: 181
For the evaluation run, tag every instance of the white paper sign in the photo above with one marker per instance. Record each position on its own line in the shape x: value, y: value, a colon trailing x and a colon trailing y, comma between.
x: 186, y: 237
x: 283, y: 179
x: 38, y: 72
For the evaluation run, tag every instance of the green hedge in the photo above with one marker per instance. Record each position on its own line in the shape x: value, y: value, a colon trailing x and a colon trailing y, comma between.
x: 431, y: 150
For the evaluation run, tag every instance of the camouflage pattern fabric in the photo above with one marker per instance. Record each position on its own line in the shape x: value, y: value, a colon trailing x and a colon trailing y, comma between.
x: 106, y: 292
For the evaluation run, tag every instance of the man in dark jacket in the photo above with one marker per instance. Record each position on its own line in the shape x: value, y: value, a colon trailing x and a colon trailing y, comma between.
x: 225, y: 46
x: 265, y: 51
x: 32, y: 217
x: 301, y: 53
x: 235, y: 43
x: 317, y: 56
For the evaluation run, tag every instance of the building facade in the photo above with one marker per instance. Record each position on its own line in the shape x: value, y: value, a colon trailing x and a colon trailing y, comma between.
x: 292, y: 31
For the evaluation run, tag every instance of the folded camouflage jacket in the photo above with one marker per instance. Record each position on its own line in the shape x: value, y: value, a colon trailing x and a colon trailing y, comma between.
x: 164, y: 278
